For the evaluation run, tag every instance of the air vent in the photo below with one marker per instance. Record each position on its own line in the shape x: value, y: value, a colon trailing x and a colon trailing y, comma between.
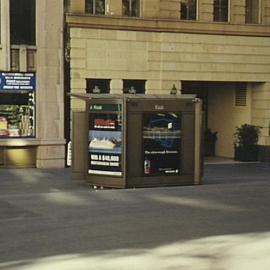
x: 241, y: 95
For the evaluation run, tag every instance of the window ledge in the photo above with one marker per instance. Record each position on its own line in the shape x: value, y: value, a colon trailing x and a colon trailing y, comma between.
x: 166, y: 25
x: 13, y: 142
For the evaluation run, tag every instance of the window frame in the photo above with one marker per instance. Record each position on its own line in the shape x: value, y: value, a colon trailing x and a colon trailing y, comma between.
x: 94, y: 8
x: 18, y: 105
x: 134, y: 86
x: 220, y: 8
x: 27, y: 30
x: 196, y: 11
x: 258, y: 15
x: 95, y: 84
x: 130, y: 9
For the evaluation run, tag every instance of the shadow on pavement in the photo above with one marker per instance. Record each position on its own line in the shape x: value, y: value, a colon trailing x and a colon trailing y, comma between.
x: 49, y: 222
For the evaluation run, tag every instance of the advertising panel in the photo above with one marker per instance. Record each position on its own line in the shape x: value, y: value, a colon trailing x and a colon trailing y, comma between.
x: 17, y: 104
x: 105, y: 139
x: 17, y: 81
x: 161, y: 143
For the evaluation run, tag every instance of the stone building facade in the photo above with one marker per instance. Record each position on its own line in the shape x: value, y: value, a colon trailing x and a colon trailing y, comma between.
x: 218, y: 49
x: 31, y: 88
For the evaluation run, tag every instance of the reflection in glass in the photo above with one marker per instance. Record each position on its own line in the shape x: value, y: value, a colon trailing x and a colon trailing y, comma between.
x: 131, y: 8
x: 17, y: 112
x: 96, y: 7
x: 221, y: 10
x: 188, y: 10
x: 252, y: 11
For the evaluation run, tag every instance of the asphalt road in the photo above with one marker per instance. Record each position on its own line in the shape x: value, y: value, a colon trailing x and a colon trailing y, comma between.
x: 49, y: 222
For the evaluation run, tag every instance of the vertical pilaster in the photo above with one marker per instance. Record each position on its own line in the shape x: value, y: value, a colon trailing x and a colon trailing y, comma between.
x: 206, y: 8
x: 5, y: 35
x: 116, y: 86
x: 237, y: 11
x: 261, y: 111
x: 50, y: 97
x: 169, y: 9
x: 114, y: 7
x: 150, y: 8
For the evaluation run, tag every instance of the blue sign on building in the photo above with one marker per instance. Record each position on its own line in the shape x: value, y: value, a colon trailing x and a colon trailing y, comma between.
x: 17, y: 81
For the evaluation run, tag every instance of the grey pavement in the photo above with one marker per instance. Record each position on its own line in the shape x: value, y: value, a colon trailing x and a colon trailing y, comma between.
x: 48, y: 221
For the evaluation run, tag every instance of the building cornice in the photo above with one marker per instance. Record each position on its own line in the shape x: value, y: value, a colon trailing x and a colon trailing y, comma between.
x: 165, y: 25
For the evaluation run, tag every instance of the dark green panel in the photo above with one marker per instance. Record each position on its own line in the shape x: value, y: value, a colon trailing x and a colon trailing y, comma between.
x: 79, y: 144
x: 134, y: 144
x: 188, y: 127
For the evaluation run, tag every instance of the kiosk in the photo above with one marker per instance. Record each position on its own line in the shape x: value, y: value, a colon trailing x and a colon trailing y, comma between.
x: 127, y: 141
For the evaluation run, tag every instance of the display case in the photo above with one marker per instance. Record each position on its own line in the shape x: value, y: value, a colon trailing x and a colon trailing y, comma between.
x: 127, y: 141
x: 17, y: 114
x: 17, y: 105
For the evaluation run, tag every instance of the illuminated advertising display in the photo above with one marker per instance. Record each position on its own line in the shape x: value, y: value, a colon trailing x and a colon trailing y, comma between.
x: 161, y: 144
x: 105, y: 140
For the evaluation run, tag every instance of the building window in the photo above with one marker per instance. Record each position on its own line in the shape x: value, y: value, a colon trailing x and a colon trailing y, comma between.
x: 131, y: 8
x: 23, y: 22
x: 98, y: 86
x: 221, y: 10
x: 252, y: 11
x: 134, y: 86
x: 96, y: 7
x: 188, y: 10
x: 66, y: 5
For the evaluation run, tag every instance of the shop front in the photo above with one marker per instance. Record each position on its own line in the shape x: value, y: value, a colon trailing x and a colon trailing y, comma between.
x: 17, y: 118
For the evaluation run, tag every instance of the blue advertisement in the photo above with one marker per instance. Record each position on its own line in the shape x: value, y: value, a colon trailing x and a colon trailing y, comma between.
x: 18, y: 81
x: 161, y: 144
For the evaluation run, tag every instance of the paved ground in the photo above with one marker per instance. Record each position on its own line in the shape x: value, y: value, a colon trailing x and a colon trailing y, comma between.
x: 49, y: 222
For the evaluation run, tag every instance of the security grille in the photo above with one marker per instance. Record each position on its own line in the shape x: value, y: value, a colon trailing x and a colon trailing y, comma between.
x: 241, y: 95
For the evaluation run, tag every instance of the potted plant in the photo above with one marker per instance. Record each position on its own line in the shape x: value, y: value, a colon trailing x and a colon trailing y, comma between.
x: 245, y: 142
x: 210, y: 139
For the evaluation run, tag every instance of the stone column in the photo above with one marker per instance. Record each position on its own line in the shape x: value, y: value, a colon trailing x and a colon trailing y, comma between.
x: 238, y: 10
x: 150, y: 8
x: 116, y: 86
x: 169, y: 9
x: 206, y: 8
x: 50, y: 90
x: 114, y: 7
x: 5, y: 37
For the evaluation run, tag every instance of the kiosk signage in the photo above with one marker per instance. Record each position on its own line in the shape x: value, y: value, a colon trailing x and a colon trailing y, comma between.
x: 105, y: 139
x: 161, y: 143
x: 130, y: 141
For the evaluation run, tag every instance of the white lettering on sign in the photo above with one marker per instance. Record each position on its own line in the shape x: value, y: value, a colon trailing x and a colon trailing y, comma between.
x: 105, y: 160
x: 159, y: 107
